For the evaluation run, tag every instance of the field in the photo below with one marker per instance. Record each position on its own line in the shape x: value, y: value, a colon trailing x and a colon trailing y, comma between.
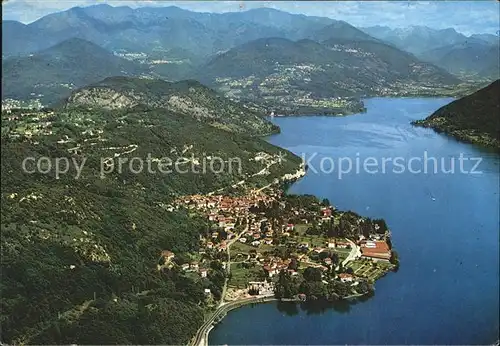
x: 242, y: 248
x: 241, y: 276
x: 370, y: 270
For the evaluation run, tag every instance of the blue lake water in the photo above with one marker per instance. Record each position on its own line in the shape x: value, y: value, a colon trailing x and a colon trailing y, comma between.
x: 445, y: 228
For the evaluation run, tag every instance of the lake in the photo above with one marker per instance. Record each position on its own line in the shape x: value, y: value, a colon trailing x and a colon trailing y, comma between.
x: 445, y: 228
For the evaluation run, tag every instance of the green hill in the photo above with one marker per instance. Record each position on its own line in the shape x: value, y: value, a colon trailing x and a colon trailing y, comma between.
x: 187, y: 97
x: 471, y: 59
x: 79, y: 256
x: 52, y: 74
x: 340, y: 30
x: 474, y: 118
x: 285, y: 69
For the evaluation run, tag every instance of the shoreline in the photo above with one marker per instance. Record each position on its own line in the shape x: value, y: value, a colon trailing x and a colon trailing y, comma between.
x: 203, y: 333
x: 257, y: 300
x: 467, y: 136
x: 201, y: 337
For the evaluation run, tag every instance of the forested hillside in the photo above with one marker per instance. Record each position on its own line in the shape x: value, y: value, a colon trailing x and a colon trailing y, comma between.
x: 80, y: 256
x: 474, y: 118
x: 54, y: 73
x: 187, y: 97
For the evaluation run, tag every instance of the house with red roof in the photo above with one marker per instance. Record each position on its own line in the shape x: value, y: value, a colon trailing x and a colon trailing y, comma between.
x: 345, y: 277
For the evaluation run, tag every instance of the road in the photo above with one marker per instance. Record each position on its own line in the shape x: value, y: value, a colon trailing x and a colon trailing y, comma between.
x: 228, y: 263
x: 355, y: 253
x: 201, y: 337
x: 241, y: 182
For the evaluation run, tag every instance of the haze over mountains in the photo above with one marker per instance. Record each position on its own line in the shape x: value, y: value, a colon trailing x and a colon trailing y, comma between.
x: 262, y: 53
x: 83, y: 256
x: 55, y: 71
x: 474, y: 118
x: 147, y: 29
x: 457, y: 53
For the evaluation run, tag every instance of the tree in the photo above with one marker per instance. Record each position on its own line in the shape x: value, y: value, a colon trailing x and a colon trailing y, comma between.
x: 382, y: 226
x: 389, y: 242
x: 282, y: 252
x: 286, y: 286
x: 394, y: 259
x: 315, y: 289
x: 323, y: 255
x: 294, y: 264
x: 335, y: 259
x: 325, y: 202
x: 366, y: 228
x: 364, y: 287
x: 312, y: 274
x: 339, y: 288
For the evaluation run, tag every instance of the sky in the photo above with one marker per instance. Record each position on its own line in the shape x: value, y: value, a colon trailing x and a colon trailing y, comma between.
x: 468, y: 17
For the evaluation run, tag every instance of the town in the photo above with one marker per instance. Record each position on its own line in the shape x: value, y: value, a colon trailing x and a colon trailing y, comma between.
x: 286, y: 246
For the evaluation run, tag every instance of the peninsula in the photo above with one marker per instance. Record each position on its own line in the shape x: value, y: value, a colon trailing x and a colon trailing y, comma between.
x: 276, y: 246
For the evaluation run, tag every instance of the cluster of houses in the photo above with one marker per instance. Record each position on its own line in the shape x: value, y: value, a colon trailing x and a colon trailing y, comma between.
x: 258, y: 233
x: 229, y: 212
x: 10, y: 104
x: 28, y: 123
x: 194, y: 266
x: 273, y: 265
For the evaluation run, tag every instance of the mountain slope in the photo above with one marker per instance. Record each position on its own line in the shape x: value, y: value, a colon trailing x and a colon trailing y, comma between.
x: 474, y: 118
x: 80, y: 253
x: 279, y: 67
x: 15, y: 34
x: 488, y: 38
x: 417, y: 39
x: 340, y: 30
x: 53, y: 73
x: 393, y: 64
x: 478, y: 59
x: 158, y: 29
x: 186, y: 97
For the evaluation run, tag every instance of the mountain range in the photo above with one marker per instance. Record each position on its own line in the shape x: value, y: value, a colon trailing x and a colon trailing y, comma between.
x: 164, y: 32
x: 277, y: 67
x: 151, y: 29
x: 478, y: 59
x: 474, y: 118
x: 474, y: 56
x: 287, y: 61
x: 291, y: 76
x: 418, y: 39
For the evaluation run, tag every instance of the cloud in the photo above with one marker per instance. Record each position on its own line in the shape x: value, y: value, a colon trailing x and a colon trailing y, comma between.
x: 464, y: 16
